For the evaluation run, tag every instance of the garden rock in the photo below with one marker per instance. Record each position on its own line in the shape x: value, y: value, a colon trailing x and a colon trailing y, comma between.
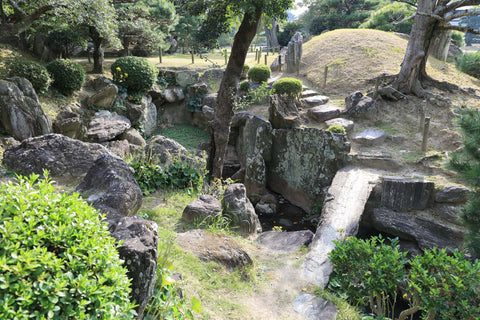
x: 120, y: 148
x: 280, y: 60
x: 105, y: 98
x: 358, y: 105
x: 323, y: 113
x: 345, y: 123
x: 21, y: 114
x: 314, y: 101
x: 212, y: 75
x: 110, y: 184
x: 210, y: 100
x: 314, y: 308
x: 197, y: 88
x: 58, y: 154
x: 99, y: 83
x: 405, y: 194
x: 285, y: 241
x: 186, y: 78
x: 134, y: 137
x: 107, y: 125
x: 218, y: 248
x: 376, y: 159
x: 69, y: 124
x: 164, y: 149
x: 370, y: 137
x: 309, y: 93
x: 139, y: 252
x: 203, y: 117
x: 452, y: 194
x: 205, y: 206
x: 240, y: 210
x: 143, y: 115
x: 283, y: 113
x: 172, y: 95
x: 294, y: 53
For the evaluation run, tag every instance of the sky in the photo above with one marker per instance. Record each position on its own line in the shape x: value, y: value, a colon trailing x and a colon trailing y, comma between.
x: 299, y: 10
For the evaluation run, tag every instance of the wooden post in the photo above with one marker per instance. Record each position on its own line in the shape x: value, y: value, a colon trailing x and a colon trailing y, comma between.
x: 325, y: 74
x: 280, y: 62
x: 193, y: 56
x: 423, y: 112
x: 297, y: 65
x: 160, y: 54
x: 266, y: 58
x: 226, y: 56
x: 426, y: 128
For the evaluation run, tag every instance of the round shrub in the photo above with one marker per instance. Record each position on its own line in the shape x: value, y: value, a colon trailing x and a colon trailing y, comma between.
x: 336, y: 129
x: 470, y: 64
x: 135, y: 73
x: 57, y: 260
x: 67, y: 75
x: 244, y: 86
x: 259, y: 73
x: 289, y: 86
x: 35, y: 73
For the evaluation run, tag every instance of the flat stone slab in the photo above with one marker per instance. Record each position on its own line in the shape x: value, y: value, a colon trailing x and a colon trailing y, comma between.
x: 309, y: 93
x: 106, y: 125
x: 370, y: 137
x: 285, y: 241
x: 314, y: 308
x: 314, y: 101
x: 323, y: 113
x: 376, y: 159
x: 345, y: 123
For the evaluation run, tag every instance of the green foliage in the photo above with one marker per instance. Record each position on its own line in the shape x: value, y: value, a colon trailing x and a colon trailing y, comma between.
x: 244, y: 86
x: 259, y: 73
x: 135, y: 73
x: 63, y: 41
x: 196, y: 102
x: 467, y: 163
x: 58, y: 260
x: 188, y: 136
x: 289, y: 29
x: 458, y: 38
x: 68, y: 76
x: 288, y: 86
x: 336, y: 129
x: 469, y: 63
x: 388, y: 18
x: 34, y: 72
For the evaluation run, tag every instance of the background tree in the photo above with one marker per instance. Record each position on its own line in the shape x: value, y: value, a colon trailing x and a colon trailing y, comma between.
x: 392, y: 17
x: 218, y: 15
x: 289, y: 29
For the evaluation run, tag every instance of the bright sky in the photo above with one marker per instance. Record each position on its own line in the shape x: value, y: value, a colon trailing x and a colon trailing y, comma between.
x: 297, y: 12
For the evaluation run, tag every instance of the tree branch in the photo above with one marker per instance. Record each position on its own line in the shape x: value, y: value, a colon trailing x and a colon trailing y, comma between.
x: 461, y: 29
x: 457, y: 4
x: 431, y: 15
x: 17, y: 9
x: 465, y: 13
x: 412, y: 3
x: 406, y: 19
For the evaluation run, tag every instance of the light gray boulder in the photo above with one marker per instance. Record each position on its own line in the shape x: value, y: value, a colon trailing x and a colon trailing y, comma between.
x: 104, y: 98
x: 238, y: 208
x: 323, y: 113
x: 106, y: 125
x: 202, y: 208
x: 143, y: 115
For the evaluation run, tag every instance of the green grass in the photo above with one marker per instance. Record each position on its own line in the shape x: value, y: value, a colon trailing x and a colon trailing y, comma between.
x: 187, y: 136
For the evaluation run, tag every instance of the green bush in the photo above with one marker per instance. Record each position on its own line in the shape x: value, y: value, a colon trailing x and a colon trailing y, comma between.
x: 68, y: 76
x: 244, y: 86
x: 470, y: 64
x: 35, y: 73
x: 57, y: 260
x: 259, y: 73
x: 135, y: 73
x: 245, y: 69
x: 387, y: 17
x: 289, y: 86
x: 458, y: 38
x: 336, y: 129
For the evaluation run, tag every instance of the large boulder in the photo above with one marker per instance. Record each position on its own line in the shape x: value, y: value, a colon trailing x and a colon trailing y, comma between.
x: 58, y: 154
x: 143, y: 115
x: 20, y: 112
x: 106, y: 125
x: 139, y: 252
x: 110, y: 184
x: 240, y: 210
x: 358, y: 105
x: 164, y: 149
x: 69, y: 123
x: 202, y: 208
x: 283, y: 112
x: 218, y: 248
x: 404, y: 194
x: 104, y: 98
x: 185, y: 78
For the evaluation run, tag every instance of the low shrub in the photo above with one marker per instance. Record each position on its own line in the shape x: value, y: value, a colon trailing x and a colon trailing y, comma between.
x: 470, y: 64
x: 288, y: 86
x: 135, y: 73
x: 259, y: 73
x: 68, y: 76
x: 244, y: 73
x: 458, y: 38
x: 244, y: 86
x: 35, y: 73
x: 336, y: 129
x: 57, y: 260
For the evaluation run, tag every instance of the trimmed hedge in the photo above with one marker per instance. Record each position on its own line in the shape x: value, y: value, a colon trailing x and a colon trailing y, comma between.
x: 68, y: 76
x: 135, y: 73
x: 35, y: 73
x: 57, y: 260
x: 288, y: 86
x: 259, y: 73
x: 244, y: 86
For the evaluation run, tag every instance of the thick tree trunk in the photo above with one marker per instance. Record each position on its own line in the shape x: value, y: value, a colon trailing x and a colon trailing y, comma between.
x: 440, y: 45
x: 126, y: 45
x: 271, y: 34
x: 228, y: 86
x: 413, y: 71
x: 98, y: 56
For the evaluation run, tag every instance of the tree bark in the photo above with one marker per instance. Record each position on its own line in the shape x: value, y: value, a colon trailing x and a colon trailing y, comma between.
x: 272, y: 40
x: 98, y: 53
x: 223, y: 109
x: 440, y: 45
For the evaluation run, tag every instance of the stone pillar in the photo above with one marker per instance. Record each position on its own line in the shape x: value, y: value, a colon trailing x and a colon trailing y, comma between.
x: 294, y: 53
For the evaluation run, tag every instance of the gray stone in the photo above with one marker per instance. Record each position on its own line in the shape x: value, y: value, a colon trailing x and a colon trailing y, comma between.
x: 164, y: 149
x: 197, y: 88
x: 186, y: 78
x: 143, y: 115
x: 105, y: 98
x: 370, y: 137
x: 172, y: 114
x: 172, y: 95
x: 212, y: 75
x: 203, y: 117
x: 106, y: 125
x: 139, y: 252
x: 210, y: 100
x: 309, y: 93
x: 314, y: 101
x: 345, y: 123
x: 110, y: 184
x: 120, y: 148
x: 452, y: 194
x: 283, y: 112
x: 202, y: 208
x: 404, y: 194
x: 323, y: 113
x: 69, y: 124
x: 58, y: 154
x: 396, y: 139
x: 358, y: 105
x: 376, y: 159
x: 99, y: 83
x: 294, y: 53
x: 240, y: 210
x: 218, y: 248
x: 427, y: 230
x: 133, y: 137
x: 21, y: 114
x: 285, y: 241
x: 315, y: 308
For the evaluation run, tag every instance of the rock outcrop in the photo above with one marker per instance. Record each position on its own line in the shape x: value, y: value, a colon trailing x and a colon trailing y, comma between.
x: 106, y: 125
x: 240, y: 210
x: 202, y: 208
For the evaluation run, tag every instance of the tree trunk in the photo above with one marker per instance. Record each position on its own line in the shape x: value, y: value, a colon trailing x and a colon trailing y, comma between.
x: 440, y: 46
x: 271, y: 34
x: 228, y: 87
x: 126, y: 45
x: 413, y: 71
x: 98, y: 56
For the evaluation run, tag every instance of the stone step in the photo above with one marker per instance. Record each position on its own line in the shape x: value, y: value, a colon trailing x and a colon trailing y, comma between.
x: 309, y: 93
x: 323, y: 113
x: 314, y: 101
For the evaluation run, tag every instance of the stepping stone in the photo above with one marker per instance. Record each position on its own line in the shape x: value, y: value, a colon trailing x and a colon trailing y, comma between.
x: 309, y: 93
x: 285, y: 241
x: 370, y: 137
x: 377, y: 160
x: 312, y: 307
x: 317, y: 100
x: 345, y: 123
x: 323, y: 113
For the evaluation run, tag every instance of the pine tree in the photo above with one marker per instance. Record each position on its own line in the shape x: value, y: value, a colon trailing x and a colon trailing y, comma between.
x: 467, y: 163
